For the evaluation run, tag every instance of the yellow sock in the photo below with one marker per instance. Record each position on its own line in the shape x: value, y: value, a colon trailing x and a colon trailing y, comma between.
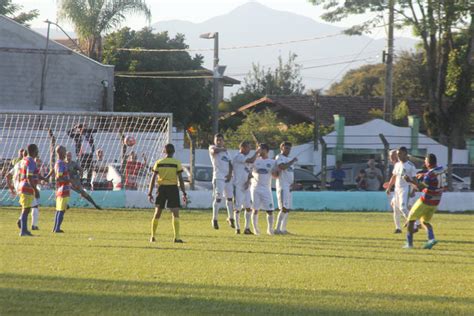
x: 176, y: 227
x: 154, y: 225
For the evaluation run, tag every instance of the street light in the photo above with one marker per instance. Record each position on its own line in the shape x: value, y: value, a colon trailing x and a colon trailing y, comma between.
x: 217, y: 74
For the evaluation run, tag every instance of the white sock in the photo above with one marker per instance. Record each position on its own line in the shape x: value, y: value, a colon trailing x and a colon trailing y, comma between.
x: 396, y: 218
x: 279, y: 221
x: 270, y: 223
x: 34, y: 216
x: 230, y: 209
x: 284, y: 221
x: 255, y: 223
x: 237, y: 219
x: 248, y: 218
x: 215, y: 210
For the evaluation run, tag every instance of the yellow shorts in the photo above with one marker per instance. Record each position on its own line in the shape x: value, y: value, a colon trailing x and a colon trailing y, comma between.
x: 26, y: 200
x: 61, y: 203
x: 422, y: 211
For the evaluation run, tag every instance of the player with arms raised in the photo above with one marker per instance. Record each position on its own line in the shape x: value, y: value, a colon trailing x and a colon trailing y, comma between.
x: 433, y: 185
x: 242, y: 164
x: 262, y: 198
x: 167, y: 172
x: 221, y: 180
x: 284, y: 184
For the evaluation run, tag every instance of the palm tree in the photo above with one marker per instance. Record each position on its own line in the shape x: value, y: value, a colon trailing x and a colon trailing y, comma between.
x: 91, y: 18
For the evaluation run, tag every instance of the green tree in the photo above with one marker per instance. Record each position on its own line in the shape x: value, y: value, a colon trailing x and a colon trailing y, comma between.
x: 369, y: 80
x: 10, y: 9
x: 187, y: 99
x: 401, y: 112
x: 285, y: 79
x: 93, y: 18
x: 268, y: 128
x: 437, y: 24
x: 366, y: 81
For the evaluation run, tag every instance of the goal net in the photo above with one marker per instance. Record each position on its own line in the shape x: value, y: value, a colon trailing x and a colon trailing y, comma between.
x: 115, y: 150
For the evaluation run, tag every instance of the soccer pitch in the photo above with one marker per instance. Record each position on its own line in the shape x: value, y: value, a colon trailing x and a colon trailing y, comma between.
x: 334, y: 263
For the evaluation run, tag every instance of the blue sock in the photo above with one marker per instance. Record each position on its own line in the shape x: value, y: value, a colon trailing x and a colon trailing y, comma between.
x: 24, y: 222
x: 61, y: 217
x: 56, y: 222
x: 410, y: 239
x: 430, y: 233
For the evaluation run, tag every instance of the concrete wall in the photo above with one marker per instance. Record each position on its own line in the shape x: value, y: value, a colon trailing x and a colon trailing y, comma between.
x: 305, y: 201
x: 72, y: 82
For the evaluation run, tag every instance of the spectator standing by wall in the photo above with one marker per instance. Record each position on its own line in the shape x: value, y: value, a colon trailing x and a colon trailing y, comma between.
x: 374, y: 176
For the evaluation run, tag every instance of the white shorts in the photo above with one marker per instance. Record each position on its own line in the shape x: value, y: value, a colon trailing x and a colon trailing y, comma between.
x: 242, y: 197
x: 262, y: 199
x: 35, y: 203
x: 400, y: 200
x: 222, y: 189
x: 284, y: 197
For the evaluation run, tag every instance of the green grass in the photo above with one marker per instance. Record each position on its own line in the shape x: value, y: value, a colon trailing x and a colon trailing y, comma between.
x: 335, y: 263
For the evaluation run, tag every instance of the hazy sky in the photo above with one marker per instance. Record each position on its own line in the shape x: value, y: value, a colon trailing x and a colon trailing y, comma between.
x: 189, y: 10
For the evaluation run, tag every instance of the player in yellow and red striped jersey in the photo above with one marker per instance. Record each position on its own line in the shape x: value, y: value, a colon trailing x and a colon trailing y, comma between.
x: 432, y: 185
x: 27, y: 188
x: 63, y: 187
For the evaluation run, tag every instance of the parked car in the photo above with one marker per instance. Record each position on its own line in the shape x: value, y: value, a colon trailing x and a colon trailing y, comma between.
x: 203, y: 176
x: 305, y: 180
x: 458, y: 183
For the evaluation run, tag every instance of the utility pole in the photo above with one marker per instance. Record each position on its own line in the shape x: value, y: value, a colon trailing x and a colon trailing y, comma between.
x: 388, y: 58
x: 315, y: 96
x: 43, y: 70
x: 215, y: 87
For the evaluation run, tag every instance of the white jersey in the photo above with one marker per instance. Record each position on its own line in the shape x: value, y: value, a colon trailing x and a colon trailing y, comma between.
x: 262, y: 173
x: 220, y: 163
x: 402, y: 169
x: 15, y: 173
x: 241, y: 169
x: 286, y: 177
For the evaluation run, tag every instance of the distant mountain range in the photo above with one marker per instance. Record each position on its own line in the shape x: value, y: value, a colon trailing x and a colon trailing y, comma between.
x: 255, y: 24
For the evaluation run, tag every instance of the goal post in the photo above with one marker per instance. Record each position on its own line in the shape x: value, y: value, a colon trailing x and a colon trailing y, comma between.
x: 115, y: 149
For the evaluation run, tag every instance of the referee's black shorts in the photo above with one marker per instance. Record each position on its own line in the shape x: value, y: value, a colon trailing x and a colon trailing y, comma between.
x: 168, y: 196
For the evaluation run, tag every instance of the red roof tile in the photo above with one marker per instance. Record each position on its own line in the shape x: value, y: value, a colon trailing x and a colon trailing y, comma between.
x: 354, y: 109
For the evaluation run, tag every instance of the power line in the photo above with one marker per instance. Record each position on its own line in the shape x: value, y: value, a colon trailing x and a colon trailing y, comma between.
x: 164, y: 77
x: 165, y: 72
x: 343, y: 69
x: 302, y: 61
x: 231, y: 47
x: 157, y: 74
x: 339, y: 63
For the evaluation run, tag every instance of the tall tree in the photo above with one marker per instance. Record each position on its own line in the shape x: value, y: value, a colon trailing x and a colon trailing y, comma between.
x: 437, y: 24
x: 285, y: 79
x: 10, y: 9
x: 188, y: 99
x: 409, y: 81
x: 93, y: 18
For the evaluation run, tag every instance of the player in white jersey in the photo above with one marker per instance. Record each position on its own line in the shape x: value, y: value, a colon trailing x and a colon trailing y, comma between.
x: 284, y: 185
x: 221, y: 180
x: 403, y: 173
x: 242, y: 165
x: 261, y: 190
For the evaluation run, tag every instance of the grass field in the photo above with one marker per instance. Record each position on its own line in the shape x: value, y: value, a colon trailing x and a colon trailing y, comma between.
x: 334, y: 263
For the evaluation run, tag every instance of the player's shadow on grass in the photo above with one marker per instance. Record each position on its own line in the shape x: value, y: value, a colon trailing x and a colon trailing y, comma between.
x: 319, y: 253
x: 61, y: 295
